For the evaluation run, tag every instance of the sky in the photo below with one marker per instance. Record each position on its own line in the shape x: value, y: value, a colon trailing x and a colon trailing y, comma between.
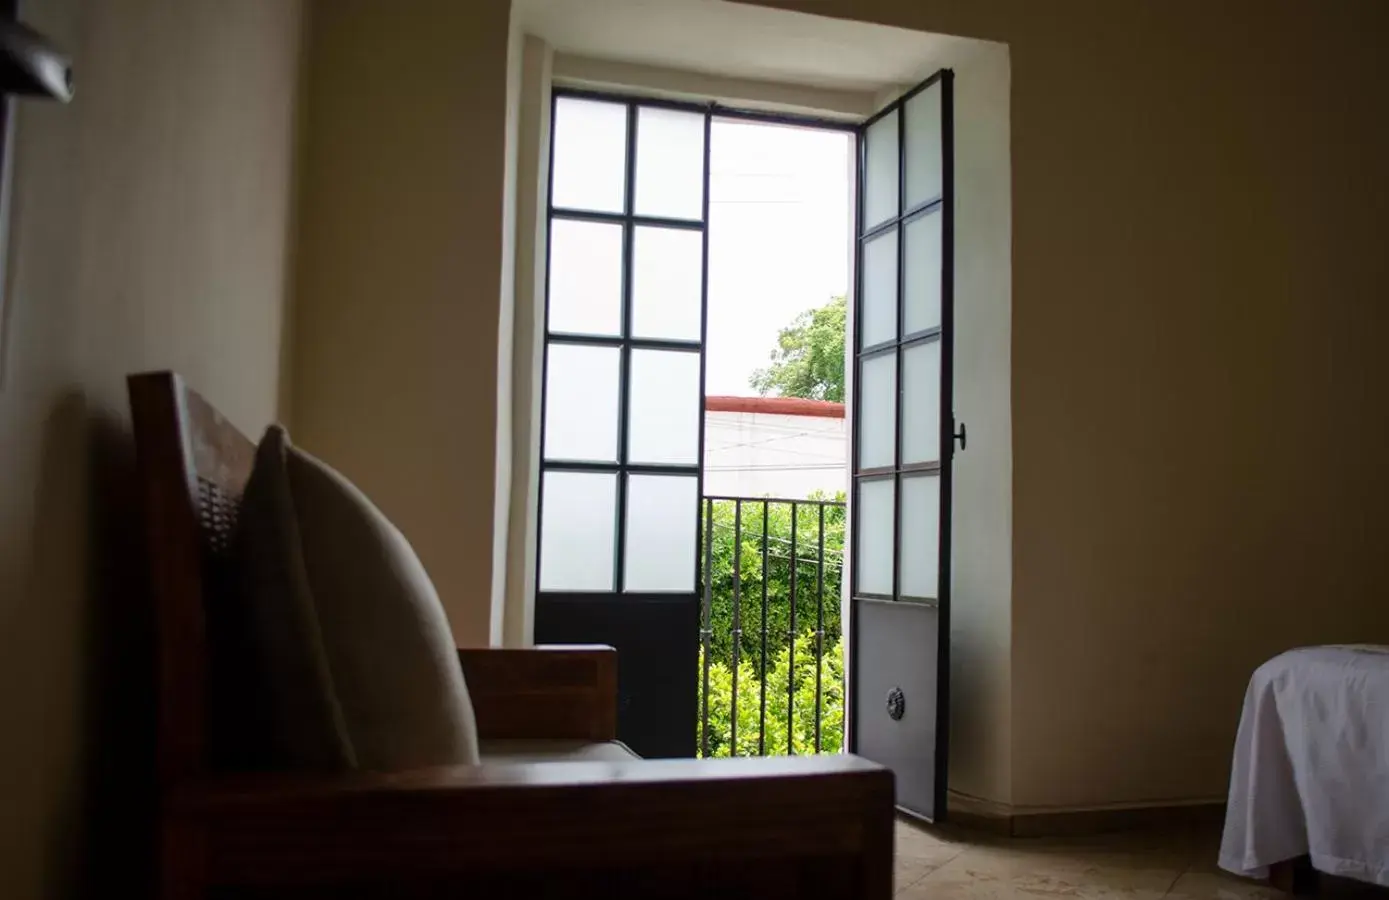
x: 779, y: 239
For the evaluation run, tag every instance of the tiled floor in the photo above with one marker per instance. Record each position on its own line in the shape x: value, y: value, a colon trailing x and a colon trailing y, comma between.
x: 950, y: 864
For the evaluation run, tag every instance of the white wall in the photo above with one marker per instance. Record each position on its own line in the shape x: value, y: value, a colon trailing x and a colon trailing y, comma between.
x: 753, y: 454
x: 516, y: 622
x: 982, y: 523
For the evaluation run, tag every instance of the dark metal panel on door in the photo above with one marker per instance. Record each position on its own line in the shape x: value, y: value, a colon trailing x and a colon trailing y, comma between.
x: 657, y: 702
x: 895, y: 697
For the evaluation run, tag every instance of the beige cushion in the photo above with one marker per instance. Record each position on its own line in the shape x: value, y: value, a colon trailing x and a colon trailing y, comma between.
x: 555, y: 751
x: 351, y: 635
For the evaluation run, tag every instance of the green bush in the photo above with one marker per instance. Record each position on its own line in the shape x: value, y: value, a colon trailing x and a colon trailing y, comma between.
x: 721, y: 618
x: 795, y: 707
x: 816, y: 594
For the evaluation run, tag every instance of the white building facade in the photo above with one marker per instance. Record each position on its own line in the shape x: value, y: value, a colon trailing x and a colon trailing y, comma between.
x: 781, y: 447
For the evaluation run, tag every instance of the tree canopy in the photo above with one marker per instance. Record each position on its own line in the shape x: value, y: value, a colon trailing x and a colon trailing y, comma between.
x: 809, y: 357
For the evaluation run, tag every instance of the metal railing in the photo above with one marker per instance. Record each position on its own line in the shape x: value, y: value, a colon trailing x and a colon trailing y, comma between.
x: 770, y: 615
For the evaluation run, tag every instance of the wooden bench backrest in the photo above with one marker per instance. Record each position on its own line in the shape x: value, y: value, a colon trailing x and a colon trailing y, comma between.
x: 193, y: 466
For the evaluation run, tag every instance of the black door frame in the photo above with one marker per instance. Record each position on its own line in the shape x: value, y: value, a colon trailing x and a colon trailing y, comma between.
x: 944, y: 204
x: 629, y: 221
x: 572, y: 616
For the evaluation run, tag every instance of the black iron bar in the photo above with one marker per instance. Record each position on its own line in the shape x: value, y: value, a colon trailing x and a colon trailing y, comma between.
x: 791, y: 645
x: 773, y: 499
x: 819, y: 627
x: 706, y: 629
x: 762, y: 713
x: 737, y: 621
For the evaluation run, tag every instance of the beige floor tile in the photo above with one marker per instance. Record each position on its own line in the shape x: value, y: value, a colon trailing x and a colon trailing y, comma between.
x: 1165, y: 845
x: 920, y: 843
x: 1213, y: 885
x: 1027, y: 870
x: 919, y: 852
x: 907, y: 872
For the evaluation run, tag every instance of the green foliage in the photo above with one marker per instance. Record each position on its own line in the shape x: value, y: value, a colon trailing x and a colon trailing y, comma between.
x: 809, y: 358
x: 817, y: 592
x: 778, y: 574
x: 800, y: 702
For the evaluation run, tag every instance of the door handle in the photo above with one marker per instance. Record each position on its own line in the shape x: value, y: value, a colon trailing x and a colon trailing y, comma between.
x: 962, y: 435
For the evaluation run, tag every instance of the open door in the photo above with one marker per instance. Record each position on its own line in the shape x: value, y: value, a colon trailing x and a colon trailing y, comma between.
x: 903, y: 439
x: 621, y: 434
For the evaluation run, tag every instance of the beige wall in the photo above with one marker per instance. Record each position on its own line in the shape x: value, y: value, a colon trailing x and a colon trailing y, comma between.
x: 399, y: 272
x: 1198, y: 302
x: 516, y: 622
x: 149, y: 232
x: 1198, y: 319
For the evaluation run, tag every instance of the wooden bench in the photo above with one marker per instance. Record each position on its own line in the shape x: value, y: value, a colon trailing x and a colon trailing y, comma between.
x: 793, y: 826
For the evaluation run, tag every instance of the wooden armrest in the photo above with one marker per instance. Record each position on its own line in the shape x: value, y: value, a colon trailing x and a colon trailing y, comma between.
x: 567, y: 692
x: 504, y: 819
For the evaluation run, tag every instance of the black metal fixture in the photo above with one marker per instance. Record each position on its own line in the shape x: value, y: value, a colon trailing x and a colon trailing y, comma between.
x: 30, y: 66
x: 896, y: 704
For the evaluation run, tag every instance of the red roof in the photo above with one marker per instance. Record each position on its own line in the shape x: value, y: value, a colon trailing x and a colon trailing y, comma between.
x: 780, y: 406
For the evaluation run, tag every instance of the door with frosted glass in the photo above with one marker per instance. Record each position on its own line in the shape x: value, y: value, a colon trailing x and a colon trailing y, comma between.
x: 903, y: 439
x: 621, y: 432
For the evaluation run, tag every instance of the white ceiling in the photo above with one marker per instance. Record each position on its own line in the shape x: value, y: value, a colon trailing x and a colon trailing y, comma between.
x: 740, y: 41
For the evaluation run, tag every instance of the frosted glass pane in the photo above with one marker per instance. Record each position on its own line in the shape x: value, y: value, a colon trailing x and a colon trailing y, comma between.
x: 588, y: 170
x: 585, y: 277
x: 670, y: 163
x: 667, y: 279
x: 923, y: 146
x: 879, y: 290
x: 921, y: 403
x: 877, y: 429
x: 873, y: 550
x: 661, y: 532
x: 880, y: 192
x: 663, y: 410
x: 920, y: 536
x: 581, y: 399
x: 577, y: 531
x: 921, y: 280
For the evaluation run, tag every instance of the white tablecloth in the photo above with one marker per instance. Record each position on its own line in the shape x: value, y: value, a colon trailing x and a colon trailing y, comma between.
x: 1311, y: 767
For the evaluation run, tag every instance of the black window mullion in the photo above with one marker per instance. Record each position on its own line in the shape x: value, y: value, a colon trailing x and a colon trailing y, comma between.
x: 588, y: 465
x: 624, y: 399
x: 901, y: 318
x: 860, y: 185
x: 545, y: 356
x: 622, y: 468
x: 924, y: 336
x: 612, y: 218
x: 878, y: 349
x: 703, y: 341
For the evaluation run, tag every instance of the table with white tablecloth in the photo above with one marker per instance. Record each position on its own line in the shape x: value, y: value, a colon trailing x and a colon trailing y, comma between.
x: 1311, y: 766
